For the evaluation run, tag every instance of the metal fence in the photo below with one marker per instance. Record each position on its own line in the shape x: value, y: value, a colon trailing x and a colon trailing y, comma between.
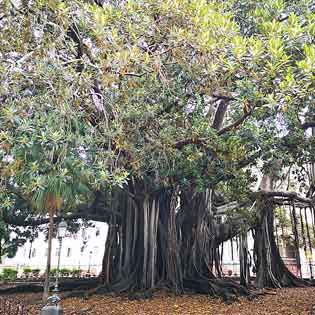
x: 12, y: 307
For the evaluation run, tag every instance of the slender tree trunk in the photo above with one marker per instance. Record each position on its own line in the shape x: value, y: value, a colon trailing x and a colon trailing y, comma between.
x: 30, y: 251
x: 48, y: 264
x: 0, y: 251
x: 243, y: 250
x: 296, y: 239
x: 310, y: 258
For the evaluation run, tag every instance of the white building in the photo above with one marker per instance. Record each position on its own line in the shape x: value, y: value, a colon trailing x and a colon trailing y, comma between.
x: 83, y: 250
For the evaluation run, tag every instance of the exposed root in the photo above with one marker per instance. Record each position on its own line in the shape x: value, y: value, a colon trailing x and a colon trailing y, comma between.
x: 229, y: 291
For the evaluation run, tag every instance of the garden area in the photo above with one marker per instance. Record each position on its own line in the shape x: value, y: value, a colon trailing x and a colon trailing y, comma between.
x: 278, y: 302
x: 182, y: 126
x: 29, y: 274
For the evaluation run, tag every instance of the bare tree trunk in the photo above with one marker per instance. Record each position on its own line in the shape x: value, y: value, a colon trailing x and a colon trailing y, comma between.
x: 47, y: 272
x: 296, y: 238
x: 0, y: 251
x: 243, y: 254
x: 271, y: 270
x: 309, y: 242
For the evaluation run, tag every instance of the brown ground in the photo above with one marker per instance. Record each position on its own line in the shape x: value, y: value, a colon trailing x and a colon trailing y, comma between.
x: 285, y: 302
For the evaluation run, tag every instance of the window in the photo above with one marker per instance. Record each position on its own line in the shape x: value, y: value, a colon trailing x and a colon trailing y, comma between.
x: 84, y: 236
x: 69, y: 252
x: 34, y: 252
x: 97, y: 233
x: 95, y: 250
x: 290, y: 251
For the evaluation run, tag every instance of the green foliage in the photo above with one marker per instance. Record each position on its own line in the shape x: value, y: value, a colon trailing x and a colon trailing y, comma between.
x: 9, y: 274
x: 10, y: 238
x: 76, y: 273
x: 53, y: 272
x: 65, y: 272
x: 27, y: 271
x: 93, y: 97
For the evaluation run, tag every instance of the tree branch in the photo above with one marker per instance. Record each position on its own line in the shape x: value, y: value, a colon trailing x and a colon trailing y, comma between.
x: 223, y: 97
x: 284, y: 194
x: 236, y: 123
x: 36, y: 221
x: 197, y: 141
x: 219, y: 114
x: 309, y: 124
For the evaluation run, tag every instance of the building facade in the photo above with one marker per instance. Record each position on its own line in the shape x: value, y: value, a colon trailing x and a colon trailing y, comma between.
x: 82, y: 250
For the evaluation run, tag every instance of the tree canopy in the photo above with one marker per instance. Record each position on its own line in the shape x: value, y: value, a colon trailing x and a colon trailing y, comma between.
x: 104, y: 99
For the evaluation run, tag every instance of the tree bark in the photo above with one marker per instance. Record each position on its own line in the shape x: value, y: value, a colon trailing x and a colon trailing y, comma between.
x: 48, y: 264
x: 271, y: 270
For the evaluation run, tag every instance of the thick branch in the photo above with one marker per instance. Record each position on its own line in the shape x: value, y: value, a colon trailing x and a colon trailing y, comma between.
x: 235, y: 124
x: 21, y: 221
x: 219, y: 115
x: 284, y: 194
x: 197, y: 141
x: 227, y: 207
x: 223, y: 97
x: 309, y: 124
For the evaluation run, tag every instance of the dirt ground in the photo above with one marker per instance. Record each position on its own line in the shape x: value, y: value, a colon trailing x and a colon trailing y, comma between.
x: 285, y: 302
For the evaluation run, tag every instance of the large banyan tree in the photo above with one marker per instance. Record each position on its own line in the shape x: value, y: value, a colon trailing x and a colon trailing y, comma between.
x: 160, y: 118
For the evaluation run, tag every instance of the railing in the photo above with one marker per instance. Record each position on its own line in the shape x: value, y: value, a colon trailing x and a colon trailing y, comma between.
x: 11, y: 307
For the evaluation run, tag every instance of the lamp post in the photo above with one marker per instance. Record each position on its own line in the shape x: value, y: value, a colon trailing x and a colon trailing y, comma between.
x: 53, y: 307
x: 90, y: 256
x: 61, y: 233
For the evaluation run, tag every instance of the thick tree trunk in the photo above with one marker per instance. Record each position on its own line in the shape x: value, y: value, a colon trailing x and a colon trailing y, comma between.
x: 200, y: 239
x: 141, y: 248
x: 154, y: 245
x: 271, y: 270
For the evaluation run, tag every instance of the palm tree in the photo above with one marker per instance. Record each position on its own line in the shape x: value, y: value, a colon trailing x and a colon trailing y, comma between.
x: 58, y: 194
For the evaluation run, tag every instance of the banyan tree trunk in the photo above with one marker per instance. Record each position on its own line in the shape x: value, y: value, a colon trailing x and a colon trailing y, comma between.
x: 197, y: 252
x: 152, y: 245
x: 271, y: 270
x: 141, y: 249
x: 199, y: 248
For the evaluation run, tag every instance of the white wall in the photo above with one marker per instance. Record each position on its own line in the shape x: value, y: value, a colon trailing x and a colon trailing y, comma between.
x: 92, y: 254
x: 72, y: 253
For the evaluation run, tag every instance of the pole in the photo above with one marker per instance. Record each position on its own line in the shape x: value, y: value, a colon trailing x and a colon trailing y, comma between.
x: 90, y: 261
x: 58, y: 265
